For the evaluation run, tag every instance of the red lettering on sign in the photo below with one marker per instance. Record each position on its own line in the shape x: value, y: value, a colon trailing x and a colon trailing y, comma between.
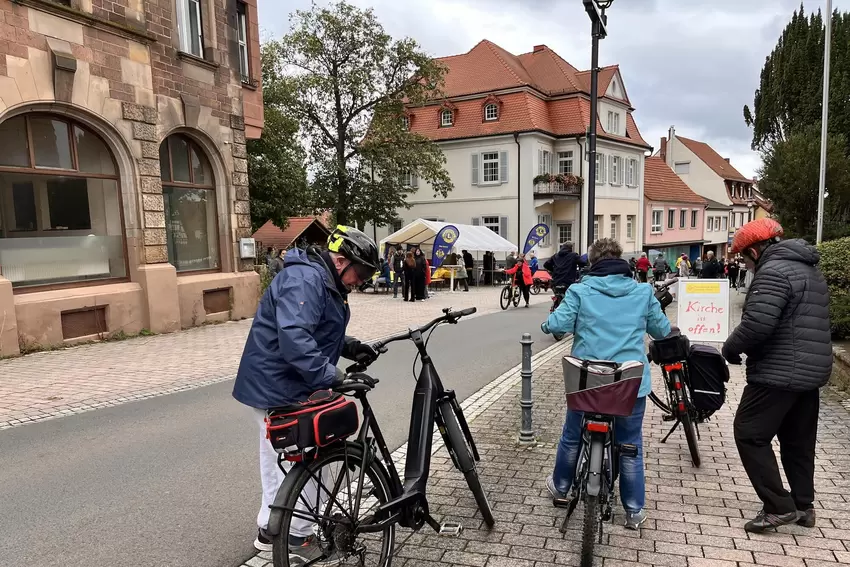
x: 697, y: 307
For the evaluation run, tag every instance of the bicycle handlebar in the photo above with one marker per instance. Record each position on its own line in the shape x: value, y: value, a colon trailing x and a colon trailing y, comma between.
x: 666, y: 284
x: 451, y: 317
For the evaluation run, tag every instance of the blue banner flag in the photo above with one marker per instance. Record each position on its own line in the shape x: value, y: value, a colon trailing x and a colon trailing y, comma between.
x: 535, y: 235
x: 443, y: 243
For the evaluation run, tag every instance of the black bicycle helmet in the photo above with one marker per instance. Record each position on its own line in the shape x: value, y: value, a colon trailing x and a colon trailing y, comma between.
x: 354, y: 245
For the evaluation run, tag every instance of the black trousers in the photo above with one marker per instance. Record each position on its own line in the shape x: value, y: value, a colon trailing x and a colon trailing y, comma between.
x: 792, y: 417
x: 407, y: 291
x: 524, y: 288
x: 642, y: 276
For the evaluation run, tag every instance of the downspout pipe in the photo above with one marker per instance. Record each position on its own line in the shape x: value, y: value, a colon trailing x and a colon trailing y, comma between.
x: 519, y: 237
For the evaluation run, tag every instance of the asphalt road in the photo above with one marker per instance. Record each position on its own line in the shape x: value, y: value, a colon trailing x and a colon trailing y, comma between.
x: 172, y: 481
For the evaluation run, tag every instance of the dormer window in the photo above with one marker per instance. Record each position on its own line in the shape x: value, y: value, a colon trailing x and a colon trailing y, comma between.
x: 491, y: 112
x: 405, y: 122
x: 446, y: 118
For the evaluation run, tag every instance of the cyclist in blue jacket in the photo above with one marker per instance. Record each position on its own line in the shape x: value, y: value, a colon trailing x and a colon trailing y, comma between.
x: 609, y: 313
x: 295, y: 342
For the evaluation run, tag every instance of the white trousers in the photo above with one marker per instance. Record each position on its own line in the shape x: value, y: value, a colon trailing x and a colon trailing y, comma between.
x: 271, y: 477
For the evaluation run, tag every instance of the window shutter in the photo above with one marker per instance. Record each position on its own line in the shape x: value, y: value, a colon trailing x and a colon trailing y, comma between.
x: 600, y: 175
x: 414, y: 180
x: 611, y: 169
x: 503, y: 227
x: 503, y: 167
x: 539, y: 162
x: 475, y: 169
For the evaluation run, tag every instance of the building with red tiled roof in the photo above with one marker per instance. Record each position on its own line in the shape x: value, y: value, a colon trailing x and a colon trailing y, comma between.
x: 309, y: 229
x: 674, y: 214
x: 714, y: 177
x: 514, y: 131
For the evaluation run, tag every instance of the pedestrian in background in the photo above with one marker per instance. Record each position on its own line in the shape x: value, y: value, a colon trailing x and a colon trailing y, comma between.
x: 660, y: 268
x: 469, y: 264
x: 643, y: 266
x: 488, y: 268
x: 563, y: 266
x: 533, y: 264
x: 409, y: 276
x: 683, y: 266
x: 419, y: 270
x: 711, y: 269
x: 698, y: 266
x: 510, y: 261
x: 732, y: 272
x: 785, y: 333
x: 397, y: 261
x: 523, y: 277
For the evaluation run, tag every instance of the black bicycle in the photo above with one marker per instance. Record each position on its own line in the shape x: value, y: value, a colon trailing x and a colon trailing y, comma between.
x: 671, y: 354
x: 350, y: 492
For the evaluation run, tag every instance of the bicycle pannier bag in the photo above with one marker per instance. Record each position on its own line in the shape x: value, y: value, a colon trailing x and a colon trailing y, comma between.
x: 708, y: 375
x: 675, y: 348
x: 325, y: 417
x: 602, y: 386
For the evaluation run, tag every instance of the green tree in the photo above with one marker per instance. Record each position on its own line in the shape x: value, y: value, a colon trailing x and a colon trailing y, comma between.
x: 791, y: 86
x: 350, y: 82
x: 790, y: 175
x: 276, y: 162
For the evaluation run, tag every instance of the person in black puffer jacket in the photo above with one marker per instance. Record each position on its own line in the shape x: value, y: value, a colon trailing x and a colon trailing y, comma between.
x: 563, y: 266
x: 785, y: 333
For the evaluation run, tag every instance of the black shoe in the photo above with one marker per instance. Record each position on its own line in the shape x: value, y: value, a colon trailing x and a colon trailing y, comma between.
x: 263, y: 542
x: 764, y: 521
x: 807, y: 518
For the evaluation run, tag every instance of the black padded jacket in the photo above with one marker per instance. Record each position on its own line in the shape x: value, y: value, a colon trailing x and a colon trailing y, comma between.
x: 785, y: 330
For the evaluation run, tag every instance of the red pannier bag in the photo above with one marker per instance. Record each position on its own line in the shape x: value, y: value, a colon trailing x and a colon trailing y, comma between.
x: 326, y: 417
x: 602, y: 386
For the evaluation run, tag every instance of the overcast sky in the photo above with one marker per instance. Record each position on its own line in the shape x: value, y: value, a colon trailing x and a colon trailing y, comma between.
x: 688, y: 63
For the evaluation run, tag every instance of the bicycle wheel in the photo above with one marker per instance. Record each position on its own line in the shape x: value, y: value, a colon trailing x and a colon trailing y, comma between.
x: 462, y: 457
x: 589, y: 529
x: 505, y: 298
x: 535, y: 289
x: 659, y: 403
x: 691, y: 436
x: 516, y: 296
x: 325, y: 501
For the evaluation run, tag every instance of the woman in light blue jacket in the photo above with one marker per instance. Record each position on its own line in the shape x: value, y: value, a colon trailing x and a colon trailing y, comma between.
x: 608, y: 314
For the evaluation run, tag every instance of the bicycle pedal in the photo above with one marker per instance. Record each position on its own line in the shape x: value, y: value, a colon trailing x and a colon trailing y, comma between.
x: 668, y: 417
x: 450, y: 529
x: 561, y: 502
x: 627, y: 450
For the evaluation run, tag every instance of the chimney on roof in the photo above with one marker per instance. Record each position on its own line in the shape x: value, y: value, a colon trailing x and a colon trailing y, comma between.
x: 539, y: 48
x: 663, y: 149
x: 671, y: 140
x: 726, y: 159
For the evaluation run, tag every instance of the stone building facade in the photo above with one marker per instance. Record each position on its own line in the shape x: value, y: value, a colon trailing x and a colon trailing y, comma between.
x: 123, y: 170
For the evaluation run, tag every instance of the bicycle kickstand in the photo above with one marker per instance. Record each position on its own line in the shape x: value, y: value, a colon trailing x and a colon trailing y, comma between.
x: 669, y: 433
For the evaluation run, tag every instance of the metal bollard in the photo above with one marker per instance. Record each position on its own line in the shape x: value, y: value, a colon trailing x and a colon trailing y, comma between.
x: 526, y: 434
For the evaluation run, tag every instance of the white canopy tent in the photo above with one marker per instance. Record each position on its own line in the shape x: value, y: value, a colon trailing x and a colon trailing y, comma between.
x: 473, y: 238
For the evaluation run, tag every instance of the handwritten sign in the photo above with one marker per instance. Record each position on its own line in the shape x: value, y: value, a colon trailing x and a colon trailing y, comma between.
x: 704, y: 309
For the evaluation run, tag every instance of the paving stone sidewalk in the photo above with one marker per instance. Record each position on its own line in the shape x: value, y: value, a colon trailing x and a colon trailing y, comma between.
x: 696, y: 516
x: 57, y: 383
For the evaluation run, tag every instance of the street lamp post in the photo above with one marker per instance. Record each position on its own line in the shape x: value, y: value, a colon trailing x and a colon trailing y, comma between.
x: 596, y: 10
x: 824, y: 119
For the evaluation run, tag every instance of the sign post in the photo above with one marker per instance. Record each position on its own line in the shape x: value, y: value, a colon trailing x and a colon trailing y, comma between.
x: 703, y: 310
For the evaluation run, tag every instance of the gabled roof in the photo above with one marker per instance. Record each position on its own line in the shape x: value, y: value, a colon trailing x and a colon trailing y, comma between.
x: 662, y: 184
x: 487, y: 67
x: 713, y: 160
x: 270, y: 235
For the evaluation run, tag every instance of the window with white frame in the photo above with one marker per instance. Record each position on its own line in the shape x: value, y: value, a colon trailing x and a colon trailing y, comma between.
x: 742, y: 219
x: 597, y: 220
x: 615, y: 227
x: 600, y: 169
x: 717, y: 224
x: 190, y: 27
x: 545, y: 162
x: 565, y: 233
x: 616, y: 170
x: 631, y: 169
x: 446, y: 118
x: 694, y: 218
x: 396, y: 225
x: 709, y: 224
x: 683, y: 218
x: 490, y: 167
x: 565, y: 163
x: 492, y: 223
x: 723, y: 226
x: 682, y: 167
x: 405, y: 179
x: 671, y: 219
x: 613, y: 122
x: 405, y: 122
x: 657, y: 217
x: 242, y: 36
x: 491, y: 112
x: 630, y: 227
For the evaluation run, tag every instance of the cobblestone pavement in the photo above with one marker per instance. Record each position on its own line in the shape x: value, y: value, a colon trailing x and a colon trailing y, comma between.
x: 63, y: 382
x: 696, y: 516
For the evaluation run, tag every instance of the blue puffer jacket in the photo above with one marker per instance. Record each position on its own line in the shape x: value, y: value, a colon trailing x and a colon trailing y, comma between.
x: 297, y: 336
x: 609, y: 316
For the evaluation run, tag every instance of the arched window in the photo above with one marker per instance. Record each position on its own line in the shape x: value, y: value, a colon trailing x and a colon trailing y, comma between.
x: 491, y: 112
x: 188, y: 190
x: 60, y: 207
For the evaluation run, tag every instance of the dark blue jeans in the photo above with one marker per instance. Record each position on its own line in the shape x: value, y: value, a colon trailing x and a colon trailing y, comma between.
x: 627, y: 430
x: 396, y: 284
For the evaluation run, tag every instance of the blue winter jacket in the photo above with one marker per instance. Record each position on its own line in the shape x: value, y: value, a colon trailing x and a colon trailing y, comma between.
x: 297, y: 336
x: 609, y: 317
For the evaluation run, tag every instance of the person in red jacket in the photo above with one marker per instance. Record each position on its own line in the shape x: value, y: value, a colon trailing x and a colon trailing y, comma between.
x: 643, y: 266
x: 526, y: 280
